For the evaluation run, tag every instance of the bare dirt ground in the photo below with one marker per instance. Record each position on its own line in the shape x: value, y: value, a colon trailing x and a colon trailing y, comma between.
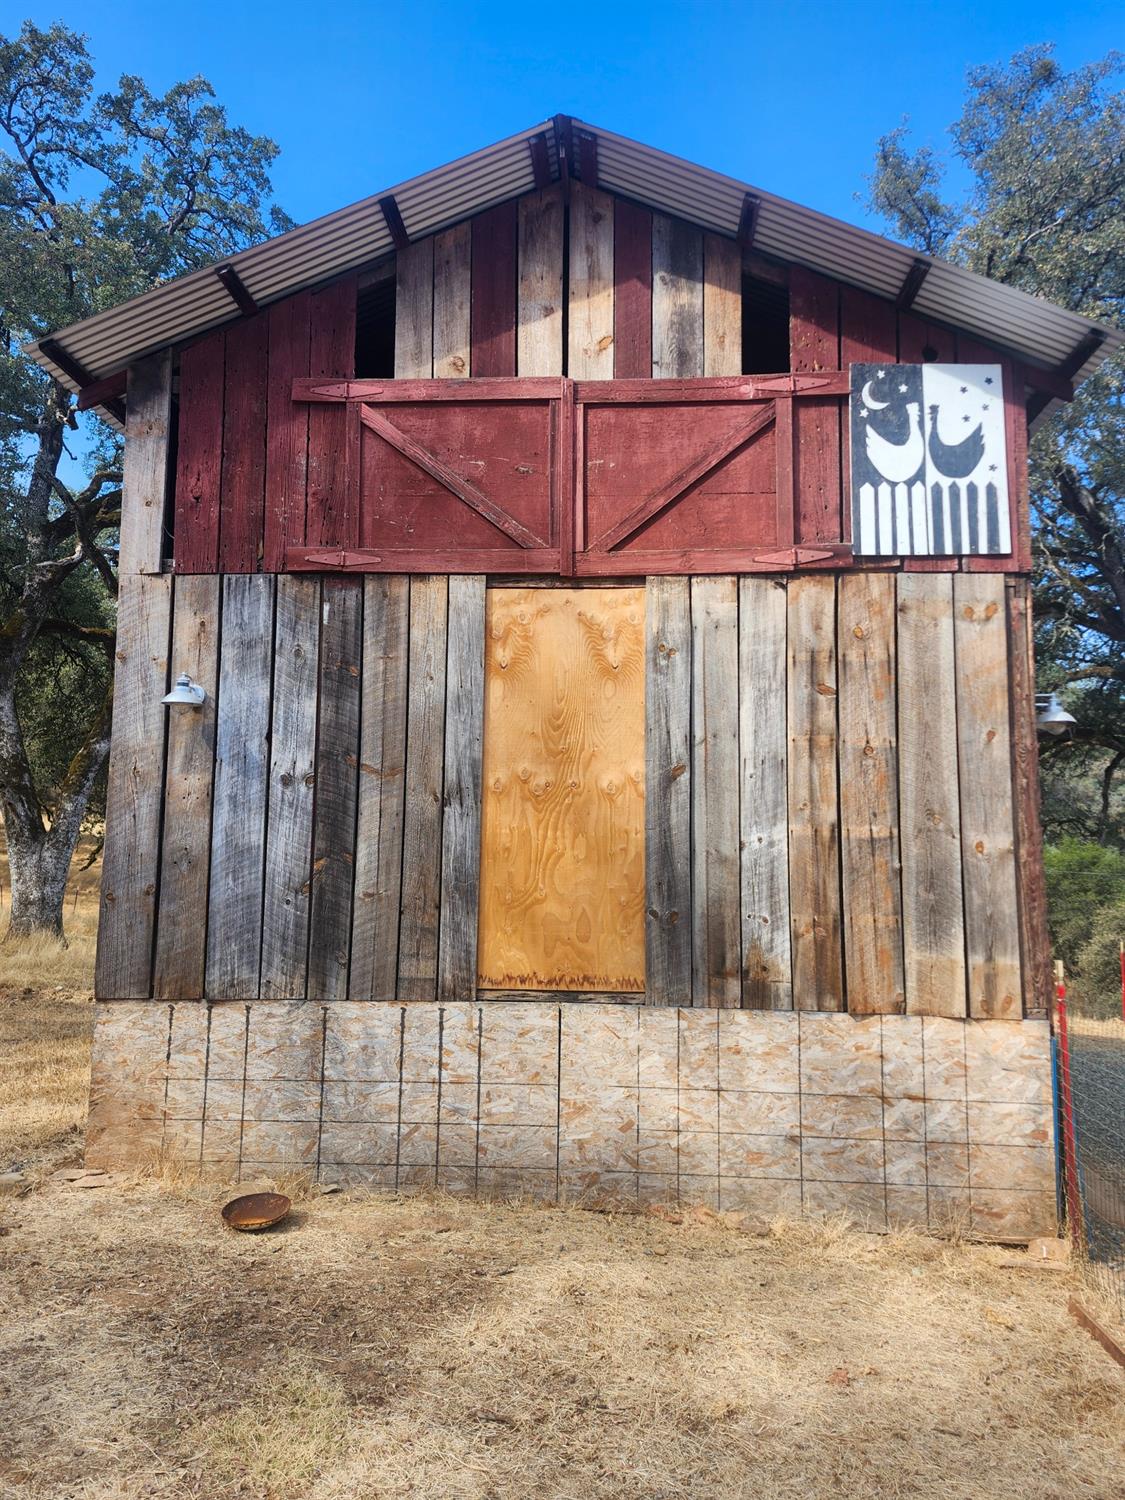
x: 410, y: 1347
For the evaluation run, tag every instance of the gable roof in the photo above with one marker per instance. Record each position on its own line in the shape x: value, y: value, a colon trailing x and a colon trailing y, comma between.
x: 1041, y: 333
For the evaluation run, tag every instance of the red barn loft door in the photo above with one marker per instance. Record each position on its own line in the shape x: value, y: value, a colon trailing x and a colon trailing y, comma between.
x: 450, y: 477
x: 601, y: 478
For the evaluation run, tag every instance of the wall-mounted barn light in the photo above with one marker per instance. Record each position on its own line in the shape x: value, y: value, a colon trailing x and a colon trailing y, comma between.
x: 1050, y: 716
x: 186, y: 693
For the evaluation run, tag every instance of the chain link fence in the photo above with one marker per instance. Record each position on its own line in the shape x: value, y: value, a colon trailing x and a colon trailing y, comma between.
x: 1090, y: 1095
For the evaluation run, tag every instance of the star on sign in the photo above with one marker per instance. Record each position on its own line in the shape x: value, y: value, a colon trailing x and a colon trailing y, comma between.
x: 903, y: 389
x: 964, y: 388
x: 988, y: 380
x: 992, y: 468
x: 985, y: 406
x: 965, y: 418
x: 879, y: 374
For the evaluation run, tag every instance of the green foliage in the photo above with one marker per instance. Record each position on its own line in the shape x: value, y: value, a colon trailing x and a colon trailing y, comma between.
x: 1098, y: 982
x: 1083, y: 879
x: 102, y: 196
x: 1045, y: 152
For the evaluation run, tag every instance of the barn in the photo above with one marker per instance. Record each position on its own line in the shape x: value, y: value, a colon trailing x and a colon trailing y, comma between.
x: 575, y: 724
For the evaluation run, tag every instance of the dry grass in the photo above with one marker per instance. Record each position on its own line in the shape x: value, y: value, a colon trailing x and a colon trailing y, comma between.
x: 435, y: 1348
x: 443, y: 1350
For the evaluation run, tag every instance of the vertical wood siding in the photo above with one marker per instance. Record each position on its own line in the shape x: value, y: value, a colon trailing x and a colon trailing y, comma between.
x: 292, y: 781
x: 243, y: 485
x: 668, y: 794
x: 633, y: 293
x: 382, y: 759
x: 932, y: 903
x: 135, y: 791
x: 984, y: 752
x: 452, y: 303
x: 315, y: 830
x: 337, y: 789
x: 866, y: 867
x: 539, y: 311
x: 181, y: 949
x: 238, y: 818
x: 814, y: 344
x: 332, y: 313
x: 591, y: 288
x: 814, y: 843
x: 287, y: 429
x: 870, y: 864
x: 494, y: 291
x: 145, y: 478
x: 461, y: 798
x: 767, y: 971
x: 716, y: 889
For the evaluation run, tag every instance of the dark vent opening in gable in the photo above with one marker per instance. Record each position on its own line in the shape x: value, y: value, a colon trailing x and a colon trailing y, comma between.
x: 375, y: 331
x: 765, y: 326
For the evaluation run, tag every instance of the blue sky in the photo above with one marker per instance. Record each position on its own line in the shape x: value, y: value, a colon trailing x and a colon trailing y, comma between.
x: 788, y: 96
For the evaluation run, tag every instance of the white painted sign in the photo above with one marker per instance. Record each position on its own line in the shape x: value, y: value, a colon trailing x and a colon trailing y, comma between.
x: 929, y: 464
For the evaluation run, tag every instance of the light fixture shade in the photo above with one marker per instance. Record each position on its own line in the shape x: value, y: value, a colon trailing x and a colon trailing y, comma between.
x: 186, y: 693
x: 1051, y: 717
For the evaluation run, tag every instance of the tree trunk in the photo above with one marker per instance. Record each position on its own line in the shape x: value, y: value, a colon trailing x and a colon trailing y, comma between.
x: 39, y: 868
x: 39, y: 856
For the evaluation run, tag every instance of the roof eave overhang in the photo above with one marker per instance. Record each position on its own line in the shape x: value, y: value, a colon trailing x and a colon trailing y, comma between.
x: 1040, y: 334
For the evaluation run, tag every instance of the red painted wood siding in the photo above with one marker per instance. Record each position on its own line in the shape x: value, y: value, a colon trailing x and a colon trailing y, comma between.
x: 493, y: 280
x: 199, y: 455
x: 814, y: 344
x: 242, y: 509
x: 329, y: 509
x: 632, y: 291
x: 287, y: 429
x: 262, y: 479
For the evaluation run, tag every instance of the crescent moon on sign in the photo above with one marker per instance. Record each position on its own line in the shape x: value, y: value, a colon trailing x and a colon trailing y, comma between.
x: 869, y: 400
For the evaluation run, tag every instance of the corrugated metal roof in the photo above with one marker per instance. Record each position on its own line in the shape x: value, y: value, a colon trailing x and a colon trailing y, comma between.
x: 354, y: 236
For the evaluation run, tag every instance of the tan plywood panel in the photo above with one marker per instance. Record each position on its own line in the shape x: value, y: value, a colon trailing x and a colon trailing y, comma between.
x: 562, y: 862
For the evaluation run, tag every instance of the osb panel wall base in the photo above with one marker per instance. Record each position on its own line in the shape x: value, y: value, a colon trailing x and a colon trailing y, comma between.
x: 897, y: 1119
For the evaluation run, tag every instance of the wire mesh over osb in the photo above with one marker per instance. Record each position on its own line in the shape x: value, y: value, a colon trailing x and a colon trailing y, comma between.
x: 1091, y: 1107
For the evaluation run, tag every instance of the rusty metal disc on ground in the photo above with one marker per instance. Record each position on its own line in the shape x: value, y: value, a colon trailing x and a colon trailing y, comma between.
x: 256, y: 1211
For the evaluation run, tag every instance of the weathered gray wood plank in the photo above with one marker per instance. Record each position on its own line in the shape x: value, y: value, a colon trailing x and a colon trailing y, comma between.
x: 722, y: 306
x: 716, y: 882
x: 123, y: 970
x: 677, y: 299
x: 814, y: 844
x: 933, y: 920
x: 382, y: 750
x: 590, y: 323
x: 292, y: 781
x: 181, y: 927
x: 460, y: 829
x: 425, y: 757
x: 414, y: 311
x: 668, y: 791
x: 987, y: 816
x: 1035, y: 941
x: 539, y: 303
x: 452, y: 302
x: 767, y: 972
x: 337, y: 789
x: 869, y: 851
x: 238, y: 818
x: 145, y: 476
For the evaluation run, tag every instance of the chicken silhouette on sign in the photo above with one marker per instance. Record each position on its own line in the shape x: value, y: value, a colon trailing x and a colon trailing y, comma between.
x: 929, y: 461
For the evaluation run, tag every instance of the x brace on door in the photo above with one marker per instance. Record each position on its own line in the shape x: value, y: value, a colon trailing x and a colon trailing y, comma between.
x: 573, y: 478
